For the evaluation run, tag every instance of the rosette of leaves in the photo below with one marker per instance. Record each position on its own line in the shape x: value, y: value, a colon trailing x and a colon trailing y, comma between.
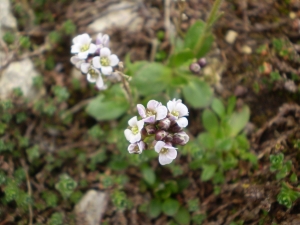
x: 66, y: 185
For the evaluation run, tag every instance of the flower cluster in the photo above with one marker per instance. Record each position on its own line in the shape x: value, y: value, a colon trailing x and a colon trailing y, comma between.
x: 94, y: 60
x: 160, y: 128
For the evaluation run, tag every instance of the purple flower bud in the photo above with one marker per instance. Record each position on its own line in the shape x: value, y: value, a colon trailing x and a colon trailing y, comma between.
x: 195, y: 68
x: 164, y: 124
x: 202, y: 62
x: 168, y: 138
x: 180, y: 138
x: 151, y: 129
x: 160, y: 135
x: 175, y: 128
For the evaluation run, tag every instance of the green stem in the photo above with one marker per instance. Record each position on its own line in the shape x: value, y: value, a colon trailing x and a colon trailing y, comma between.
x: 210, y: 20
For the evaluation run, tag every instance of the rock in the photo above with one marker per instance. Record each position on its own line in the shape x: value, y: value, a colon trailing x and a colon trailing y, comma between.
x: 246, y: 50
x: 7, y: 20
x: 231, y: 36
x: 91, y: 207
x: 18, y: 74
x: 123, y: 14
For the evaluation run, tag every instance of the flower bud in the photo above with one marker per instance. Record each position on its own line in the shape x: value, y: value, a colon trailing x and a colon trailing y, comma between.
x: 164, y: 124
x: 160, y: 135
x: 195, y: 68
x: 175, y: 128
x: 151, y: 129
x: 168, y: 138
x: 202, y: 62
x: 180, y: 138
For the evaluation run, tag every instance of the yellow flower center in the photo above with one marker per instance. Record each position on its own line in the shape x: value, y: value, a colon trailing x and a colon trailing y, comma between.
x: 175, y: 113
x: 164, y: 151
x: 150, y: 113
x: 85, y: 47
x: 93, y: 73
x: 135, y: 130
x: 104, y: 61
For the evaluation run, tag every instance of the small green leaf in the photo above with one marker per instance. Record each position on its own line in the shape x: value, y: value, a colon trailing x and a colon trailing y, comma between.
x: 109, y: 106
x: 148, y: 175
x: 170, y: 207
x: 152, y: 78
x: 182, y: 216
x: 218, y: 107
x: 154, y: 208
x: 238, y: 120
x: 193, y: 35
x: 206, y: 140
x: 197, y: 93
x: 178, y: 59
x: 231, y: 105
x: 210, y: 121
x: 208, y: 172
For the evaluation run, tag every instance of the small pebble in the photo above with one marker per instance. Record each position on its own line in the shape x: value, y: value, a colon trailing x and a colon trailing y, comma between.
x: 231, y: 36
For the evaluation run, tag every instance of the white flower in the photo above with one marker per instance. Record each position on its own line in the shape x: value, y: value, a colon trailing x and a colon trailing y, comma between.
x: 105, y: 61
x: 136, y: 148
x: 177, y: 112
x: 133, y: 134
x: 83, y: 46
x: 102, y: 41
x: 167, y: 153
x: 155, y: 111
x: 76, y: 61
x: 93, y: 74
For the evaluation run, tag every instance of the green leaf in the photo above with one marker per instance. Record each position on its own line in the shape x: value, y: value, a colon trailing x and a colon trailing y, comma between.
x: 170, y: 207
x: 152, y: 78
x: 108, y: 105
x: 194, y: 34
x: 178, y: 59
x: 218, y: 107
x: 154, y: 208
x: 238, y: 120
x: 224, y: 144
x: 231, y: 105
x: 210, y: 121
x: 206, y: 140
x: 148, y: 175
x: 197, y: 93
x: 208, y: 172
x: 182, y: 216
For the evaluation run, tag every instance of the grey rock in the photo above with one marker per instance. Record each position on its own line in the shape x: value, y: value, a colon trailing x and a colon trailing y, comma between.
x: 18, y: 74
x: 91, y: 208
x: 7, y: 20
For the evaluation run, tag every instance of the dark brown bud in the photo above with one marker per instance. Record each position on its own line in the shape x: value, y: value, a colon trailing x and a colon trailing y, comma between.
x: 150, y: 129
x: 180, y: 138
x: 168, y: 138
x: 202, y: 62
x: 175, y: 128
x: 195, y: 68
x: 160, y: 135
x: 164, y: 124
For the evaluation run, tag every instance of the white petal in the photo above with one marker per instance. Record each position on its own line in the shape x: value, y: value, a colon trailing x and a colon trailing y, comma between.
x: 105, y: 52
x: 128, y: 134
x: 152, y: 104
x: 172, y: 153
x: 85, y: 38
x: 96, y: 62
x: 131, y: 148
x: 99, y: 82
x: 90, y: 78
x: 182, y: 122
x: 141, y: 110
x: 114, y: 60
x: 182, y: 109
x: 135, y: 138
x: 171, y: 105
x: 92, y: 48
x: 150, y: 119
x: 141, y: 146
x: 75, y: 48
x: 83, y: 55
x: 84, y: 67
x: 163, y: 159
x: 133, y: 121
x: 140, y: 124
x: 106, y: 70
x: 76, y: 39
x: 161, y: 112
x: 159, y: 145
